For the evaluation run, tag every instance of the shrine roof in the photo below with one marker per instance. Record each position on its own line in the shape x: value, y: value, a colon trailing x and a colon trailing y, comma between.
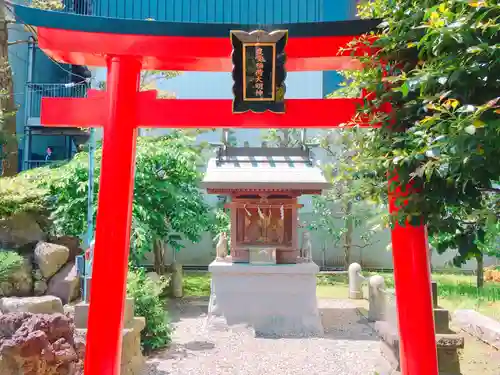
x: 291, y: 173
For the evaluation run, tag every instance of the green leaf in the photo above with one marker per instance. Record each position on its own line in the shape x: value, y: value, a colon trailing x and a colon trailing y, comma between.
x: 405, y: 89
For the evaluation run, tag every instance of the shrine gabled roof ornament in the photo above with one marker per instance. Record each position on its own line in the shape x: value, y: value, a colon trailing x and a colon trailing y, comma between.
x: 264, y: 168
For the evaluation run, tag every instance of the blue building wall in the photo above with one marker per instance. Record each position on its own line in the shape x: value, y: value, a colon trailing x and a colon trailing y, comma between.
x: 18, y: 59
x: 209, y: 11
x: 218, y: 85
x: 336, y: 10
x: 43, y: 70
x: 47, y: 71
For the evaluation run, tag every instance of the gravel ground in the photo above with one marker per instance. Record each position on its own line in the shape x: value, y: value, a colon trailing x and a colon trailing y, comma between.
x: 349, y: 346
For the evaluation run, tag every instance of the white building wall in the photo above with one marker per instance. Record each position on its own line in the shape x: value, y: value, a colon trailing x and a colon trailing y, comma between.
x: 196, y: 85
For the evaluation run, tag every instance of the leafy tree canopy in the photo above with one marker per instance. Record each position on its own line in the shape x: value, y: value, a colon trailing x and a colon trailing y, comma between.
x: 442, y: 75
x: 167, y: 201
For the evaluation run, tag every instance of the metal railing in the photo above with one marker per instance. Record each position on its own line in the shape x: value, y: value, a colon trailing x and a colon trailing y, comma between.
x: 201, y: 11
x: 30, y: 164
x: 83, y: 7
x: 35, y: 92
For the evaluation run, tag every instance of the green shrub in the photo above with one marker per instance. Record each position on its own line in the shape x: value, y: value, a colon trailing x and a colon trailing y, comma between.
x: 148, y: 304
x: 167, y: 201
x: 10, y: 262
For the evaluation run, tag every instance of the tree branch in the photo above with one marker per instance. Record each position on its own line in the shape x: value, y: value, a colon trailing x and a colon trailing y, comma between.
x: 365, y: 245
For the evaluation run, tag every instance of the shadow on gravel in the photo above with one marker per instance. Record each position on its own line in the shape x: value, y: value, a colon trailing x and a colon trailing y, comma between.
x: 174, y: 351
x: 152, y: 369
x: 181, y: 351
x: 187, y: 308
x: 199, y: 345
x: 346, y: 324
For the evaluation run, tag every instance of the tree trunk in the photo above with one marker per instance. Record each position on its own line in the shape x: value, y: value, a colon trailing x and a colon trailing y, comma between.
x: 7, y: 104
x: 349, y: 228
x: 176, y: 280
x: 480, y: 271
x: 159, y: 254
x: 430, y: 260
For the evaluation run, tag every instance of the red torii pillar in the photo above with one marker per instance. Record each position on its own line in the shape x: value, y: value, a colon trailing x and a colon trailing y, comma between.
x: 122, y: 109
x: 412, y: 279
x: 112, y: 242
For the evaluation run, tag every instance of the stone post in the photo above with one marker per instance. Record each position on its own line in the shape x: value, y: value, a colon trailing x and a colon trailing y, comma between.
x: 376, y: 298
x: 434, y: 294
x: 132, y: 360
x: 176, y: 280
x: 355, y: 281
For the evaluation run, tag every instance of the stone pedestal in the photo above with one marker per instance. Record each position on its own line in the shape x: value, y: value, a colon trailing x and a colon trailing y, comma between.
x: 132, y: 359
x: 276, y: 300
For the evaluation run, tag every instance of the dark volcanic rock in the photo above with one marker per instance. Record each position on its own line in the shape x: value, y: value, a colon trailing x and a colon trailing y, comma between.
x: 39, y: 344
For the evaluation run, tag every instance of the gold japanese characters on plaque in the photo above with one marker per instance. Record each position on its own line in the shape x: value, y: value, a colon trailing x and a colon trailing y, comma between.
x: 259, y: 71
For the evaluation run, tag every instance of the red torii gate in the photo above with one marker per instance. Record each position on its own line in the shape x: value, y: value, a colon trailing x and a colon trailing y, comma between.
x: 127, y: 46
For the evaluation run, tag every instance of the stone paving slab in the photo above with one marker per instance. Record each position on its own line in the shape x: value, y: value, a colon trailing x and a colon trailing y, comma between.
x: 484, y: 328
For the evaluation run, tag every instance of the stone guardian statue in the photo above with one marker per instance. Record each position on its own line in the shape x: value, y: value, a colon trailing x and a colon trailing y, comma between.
x: 306, y: 250
x: 221, y: 249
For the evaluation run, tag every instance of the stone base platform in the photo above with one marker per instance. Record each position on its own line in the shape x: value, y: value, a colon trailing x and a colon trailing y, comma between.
x: 276, y: 300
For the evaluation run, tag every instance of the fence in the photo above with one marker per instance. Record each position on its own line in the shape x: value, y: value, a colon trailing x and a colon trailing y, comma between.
x: 78, y: 6
x: 30, y: 164
x: 204, y: 11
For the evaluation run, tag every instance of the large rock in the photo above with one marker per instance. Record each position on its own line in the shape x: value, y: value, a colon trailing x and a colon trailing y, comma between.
x: 72, y: 243
x: 19, y: 283
x: 34, y: 305
x: 50, y: 258
x: 65, y: 284
x: 37, y: 275
x: 19, y: 231
x: 38, y: 344
x: 40, y: 287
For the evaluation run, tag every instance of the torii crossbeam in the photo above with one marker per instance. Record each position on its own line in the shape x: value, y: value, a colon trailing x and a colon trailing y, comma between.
x: 127, y: 46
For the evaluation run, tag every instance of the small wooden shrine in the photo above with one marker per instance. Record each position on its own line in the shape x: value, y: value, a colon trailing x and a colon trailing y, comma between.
x: 264, y: 185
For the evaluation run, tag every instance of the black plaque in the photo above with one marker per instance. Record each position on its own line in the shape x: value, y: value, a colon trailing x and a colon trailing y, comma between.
x: 259, y: 71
